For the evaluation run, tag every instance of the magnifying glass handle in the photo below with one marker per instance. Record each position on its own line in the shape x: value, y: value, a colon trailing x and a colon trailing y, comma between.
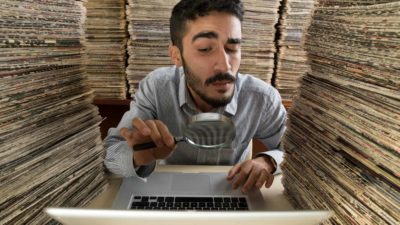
x: 144, y: 146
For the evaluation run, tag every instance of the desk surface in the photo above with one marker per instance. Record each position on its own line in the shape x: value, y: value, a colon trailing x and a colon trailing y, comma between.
x: 273, y: 196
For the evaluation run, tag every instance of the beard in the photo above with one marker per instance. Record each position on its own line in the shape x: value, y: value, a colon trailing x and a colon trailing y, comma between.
x: 195, y: 83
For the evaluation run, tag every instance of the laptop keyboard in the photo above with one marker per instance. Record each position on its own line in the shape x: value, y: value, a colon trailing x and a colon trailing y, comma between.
x: 189, y: 203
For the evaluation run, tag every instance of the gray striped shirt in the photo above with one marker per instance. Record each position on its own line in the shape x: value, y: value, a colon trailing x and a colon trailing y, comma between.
x: 255, y: 109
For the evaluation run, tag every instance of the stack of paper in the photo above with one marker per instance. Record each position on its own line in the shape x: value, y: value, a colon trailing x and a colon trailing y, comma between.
x: 149, y: 38
x: 258, y: 48
x: 50, y: 146
x: 106, y: 48
x: 343, y: 137
x: 292, y: 59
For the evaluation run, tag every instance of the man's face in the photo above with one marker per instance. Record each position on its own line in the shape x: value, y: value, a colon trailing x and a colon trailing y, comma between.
x: 211, y: 58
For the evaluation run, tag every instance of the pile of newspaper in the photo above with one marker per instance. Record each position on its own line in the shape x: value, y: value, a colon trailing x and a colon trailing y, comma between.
x: 106, y: 48
x: 149, y: 38
x: 343, y: 139
x: 50, y: 146
x: 292, y: 59
x: 258, y: 33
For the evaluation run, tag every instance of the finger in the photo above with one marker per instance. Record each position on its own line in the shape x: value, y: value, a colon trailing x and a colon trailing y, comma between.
x: 262, y: 178
x: 270, y: 180
x: 154, y: 133
x: 141, y: 158
x: 141, y: 126
x: 167, y: 137
x: 244, y: 173
x: 251, y: 180
x: 124, y: 132
x: 127, y: 135
x: 232, y: 172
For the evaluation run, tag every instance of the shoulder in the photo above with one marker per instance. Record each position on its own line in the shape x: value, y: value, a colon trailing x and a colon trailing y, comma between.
x: 256, y: 89
x: 162, y: 76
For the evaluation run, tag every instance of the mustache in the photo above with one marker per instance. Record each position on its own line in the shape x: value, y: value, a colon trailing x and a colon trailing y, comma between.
x: 220, y: 77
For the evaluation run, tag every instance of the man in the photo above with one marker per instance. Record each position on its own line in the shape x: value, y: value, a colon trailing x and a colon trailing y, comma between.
x: 206, y: 39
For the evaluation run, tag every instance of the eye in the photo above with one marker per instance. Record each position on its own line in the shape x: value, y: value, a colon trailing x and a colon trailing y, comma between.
x: 205, y: 50
x: 231, y: 50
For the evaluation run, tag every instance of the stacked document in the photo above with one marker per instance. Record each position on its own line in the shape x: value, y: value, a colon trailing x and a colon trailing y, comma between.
x: 258, y: 31
x: 343, y: 137
x: 149, y: 38
x: 292, y: 59
x: 50, y: 146
x: 106, y: 48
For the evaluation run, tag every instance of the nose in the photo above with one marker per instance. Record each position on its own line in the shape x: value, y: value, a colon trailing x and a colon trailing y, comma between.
x: 222, y: 63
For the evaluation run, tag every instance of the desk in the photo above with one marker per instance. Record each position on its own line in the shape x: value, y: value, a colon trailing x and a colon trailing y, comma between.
x: 274, y: 198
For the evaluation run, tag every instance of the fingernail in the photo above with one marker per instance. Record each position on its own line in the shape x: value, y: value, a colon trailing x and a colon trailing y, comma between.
x: 171, y: 142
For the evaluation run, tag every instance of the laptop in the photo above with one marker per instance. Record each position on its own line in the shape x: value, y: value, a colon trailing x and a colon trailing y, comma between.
x: 182, y: 198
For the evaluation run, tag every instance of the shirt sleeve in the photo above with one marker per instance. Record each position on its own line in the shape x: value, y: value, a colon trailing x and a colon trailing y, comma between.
x: 119, y: 156
x: 272, y: 128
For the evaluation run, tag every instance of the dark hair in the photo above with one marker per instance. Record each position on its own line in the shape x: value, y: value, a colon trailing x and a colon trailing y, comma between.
x: 192, y: 9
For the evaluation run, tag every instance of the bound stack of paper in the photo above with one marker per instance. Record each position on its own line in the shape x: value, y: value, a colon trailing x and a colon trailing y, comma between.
x: 106, y: 36
x: 343, y: 138
x: 292, y: 59
x: 258, y: 48
x: 50, y: 146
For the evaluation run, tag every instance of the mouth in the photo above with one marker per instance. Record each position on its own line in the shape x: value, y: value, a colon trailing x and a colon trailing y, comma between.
x: 222, y: 85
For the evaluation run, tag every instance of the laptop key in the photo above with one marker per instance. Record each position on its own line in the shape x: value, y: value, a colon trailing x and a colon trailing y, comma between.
x: 140, y: 204
x: 218, y: 200
x: 189, y: 203
x: 193, y: 199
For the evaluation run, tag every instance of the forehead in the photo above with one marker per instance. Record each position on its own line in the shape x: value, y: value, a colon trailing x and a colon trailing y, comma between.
x: 224, y: 24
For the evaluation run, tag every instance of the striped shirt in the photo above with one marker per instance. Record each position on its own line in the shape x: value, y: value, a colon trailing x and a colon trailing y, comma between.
x: 255, y: 109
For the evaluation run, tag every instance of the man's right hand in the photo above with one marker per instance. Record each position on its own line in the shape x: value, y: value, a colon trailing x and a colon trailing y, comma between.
x: 147, y: 131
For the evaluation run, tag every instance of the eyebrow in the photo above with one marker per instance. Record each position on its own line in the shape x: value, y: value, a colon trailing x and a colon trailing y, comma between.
x: 213, y: 35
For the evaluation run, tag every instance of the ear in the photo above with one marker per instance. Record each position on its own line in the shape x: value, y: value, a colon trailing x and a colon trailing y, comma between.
x: 175, y: 55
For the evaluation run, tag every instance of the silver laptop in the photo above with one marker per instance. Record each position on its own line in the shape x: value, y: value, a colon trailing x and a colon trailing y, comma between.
x: 144, y: 217
x: 181, y: 198
x: 185, y: 191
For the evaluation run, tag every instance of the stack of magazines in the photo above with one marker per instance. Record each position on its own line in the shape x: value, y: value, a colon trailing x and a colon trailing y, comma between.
x: 258, y: 33
x: 106, y: 48
x: 292, y: 59
x: 343, y: 139
x: 50, y: 145
x: 148, y: 38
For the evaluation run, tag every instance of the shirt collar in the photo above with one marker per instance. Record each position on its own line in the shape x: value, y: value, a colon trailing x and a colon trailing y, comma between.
x: 185, y: 98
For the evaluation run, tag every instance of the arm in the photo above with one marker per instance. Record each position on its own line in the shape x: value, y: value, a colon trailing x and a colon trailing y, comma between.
x: 260, y: 170
x: 120, y: 158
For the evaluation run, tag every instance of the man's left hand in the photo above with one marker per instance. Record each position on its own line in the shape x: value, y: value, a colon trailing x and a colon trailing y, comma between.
x: 252, y: 173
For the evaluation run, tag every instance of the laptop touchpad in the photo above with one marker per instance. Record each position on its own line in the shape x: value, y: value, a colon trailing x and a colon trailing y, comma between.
x: 191, y: 183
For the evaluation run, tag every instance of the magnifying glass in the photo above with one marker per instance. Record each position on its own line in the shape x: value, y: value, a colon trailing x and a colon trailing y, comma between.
x: 205, y: 131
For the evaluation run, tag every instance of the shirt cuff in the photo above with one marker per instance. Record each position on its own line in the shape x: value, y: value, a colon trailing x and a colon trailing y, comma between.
x: 277, y: 155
